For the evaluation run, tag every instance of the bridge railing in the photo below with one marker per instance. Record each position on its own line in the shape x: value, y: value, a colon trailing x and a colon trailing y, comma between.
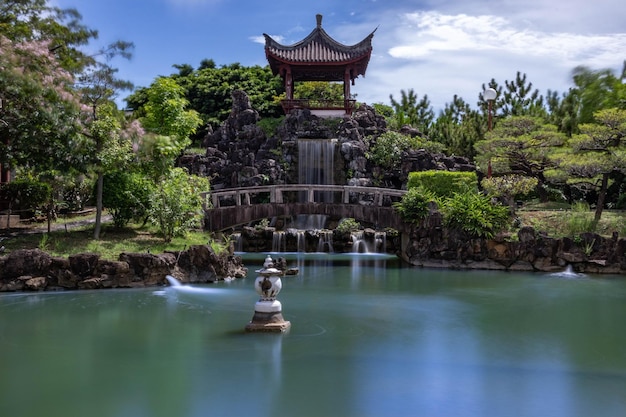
x: 311, y: 193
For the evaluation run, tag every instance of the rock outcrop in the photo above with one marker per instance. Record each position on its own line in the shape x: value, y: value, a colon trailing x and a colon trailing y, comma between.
x: 35, y: 270
x: 240, y: 154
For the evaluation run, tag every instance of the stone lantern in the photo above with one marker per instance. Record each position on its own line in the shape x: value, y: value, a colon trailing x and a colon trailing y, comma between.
x: 268, y: 315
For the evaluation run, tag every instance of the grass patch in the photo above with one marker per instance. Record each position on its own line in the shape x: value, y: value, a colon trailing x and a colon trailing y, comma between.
x: 112, y: 242
x: 560, y: 223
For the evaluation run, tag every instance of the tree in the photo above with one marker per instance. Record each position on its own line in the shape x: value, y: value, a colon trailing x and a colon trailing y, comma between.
x: 522, y: 147
x: 597, y: 90
x: 169, y: 123
x: 318, y: 90
x: 26, y: 21
x: 519, y: 99
x: 39, y: 61
x: 127, y: 196
x: 208, y: 91
x: 458, y: 127
x: 386, y: 150
x: 166, y: 112
x: 508, y: 187
x: 413, y: 111
x: 98, y: 86
x: 595, y: 156
x: 563, y: 111
x: 39, y: 127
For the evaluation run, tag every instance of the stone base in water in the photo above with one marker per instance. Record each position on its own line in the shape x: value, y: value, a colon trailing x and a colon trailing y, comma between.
x: 272, y: 322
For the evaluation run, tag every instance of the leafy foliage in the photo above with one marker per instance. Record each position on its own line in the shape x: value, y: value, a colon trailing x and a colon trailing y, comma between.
x: 458, y: 127
x: 126, y: 196
x: 413, y: 111
x: 166, y: 113
x: 177, y: 203
x: 414, y: 206
x: 443, y: 184
x: 595, y: 156
x: 519, y: 98
x: 208, y: 90
x: 25, y: 193
x: 580, y: 220
x: 386, y: 150
x: 475, y: 214
x: 348, y: 225
x: 508, y: 187
x: 521, y: 146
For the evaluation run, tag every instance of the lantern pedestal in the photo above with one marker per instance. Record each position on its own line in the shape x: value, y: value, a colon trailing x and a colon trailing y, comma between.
x: 268, y: 317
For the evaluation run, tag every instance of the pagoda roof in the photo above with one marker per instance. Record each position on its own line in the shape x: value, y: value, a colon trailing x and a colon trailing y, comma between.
x: 318, y: 53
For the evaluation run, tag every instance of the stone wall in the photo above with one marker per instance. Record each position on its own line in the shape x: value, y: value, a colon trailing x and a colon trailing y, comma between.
x: 35, y: 270
x: 434, y: 246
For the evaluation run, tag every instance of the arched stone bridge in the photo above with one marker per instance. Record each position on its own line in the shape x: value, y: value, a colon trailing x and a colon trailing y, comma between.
x: 238, y: 206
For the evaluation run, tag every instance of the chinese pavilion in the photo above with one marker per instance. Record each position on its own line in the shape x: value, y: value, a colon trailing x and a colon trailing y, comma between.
x: 318, y: 57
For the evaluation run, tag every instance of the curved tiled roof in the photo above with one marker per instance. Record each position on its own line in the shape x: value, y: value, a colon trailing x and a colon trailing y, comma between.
x: 318, y: 48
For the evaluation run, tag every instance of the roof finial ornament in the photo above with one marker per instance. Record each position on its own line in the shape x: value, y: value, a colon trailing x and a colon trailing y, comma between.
x: 318, y: 17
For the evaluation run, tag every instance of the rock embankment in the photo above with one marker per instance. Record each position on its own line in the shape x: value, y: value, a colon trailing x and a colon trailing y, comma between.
x: 432, y: 245
x: 35, y: 270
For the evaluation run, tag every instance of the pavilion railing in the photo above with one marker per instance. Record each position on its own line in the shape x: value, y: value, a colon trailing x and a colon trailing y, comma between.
x: 318, y: 104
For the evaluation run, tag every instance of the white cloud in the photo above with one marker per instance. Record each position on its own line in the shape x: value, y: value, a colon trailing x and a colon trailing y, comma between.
x: 261, y: 39
x: 446, y: 54
x: 432, y: 33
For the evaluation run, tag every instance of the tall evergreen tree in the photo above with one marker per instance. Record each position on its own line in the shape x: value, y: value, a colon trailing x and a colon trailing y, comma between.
x: 413, y: 111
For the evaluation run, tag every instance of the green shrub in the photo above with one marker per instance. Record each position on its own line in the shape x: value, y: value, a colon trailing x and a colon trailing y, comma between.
x: 177, y: 204
x: 413, y: 207
x: 386, y: 150
x: 269, y: 125
x: 509, y: 187
x: 25, y: 194
x: 127, y: 196
x: 443, y: 183
x: 348, y: 225
x: 475, y: 214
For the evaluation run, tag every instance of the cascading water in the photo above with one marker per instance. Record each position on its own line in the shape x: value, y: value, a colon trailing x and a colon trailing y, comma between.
x: 359, y: 245
x: 278, y: 241
x: 308, y: 222
x: 237, y: 242
x: 301, y: 245
x: 316, y: 161
x: 325, y: 243
x: 372, y: 243
x: 381, y: 242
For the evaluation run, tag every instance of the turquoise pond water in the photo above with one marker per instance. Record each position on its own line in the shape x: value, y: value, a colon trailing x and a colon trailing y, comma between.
x: 369, y: 337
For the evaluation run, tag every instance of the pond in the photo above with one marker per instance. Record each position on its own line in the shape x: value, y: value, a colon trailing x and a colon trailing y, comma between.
x: 369, y: 337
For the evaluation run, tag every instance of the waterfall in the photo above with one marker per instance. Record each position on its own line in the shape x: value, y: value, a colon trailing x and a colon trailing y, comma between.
x: 381, y: 242
x: 279, y: 242
x: 308, y: 222
x: 358, y: 243
x: 301, y: 240
x: 365, y: 244
x: 237, y: 242
x: 325, y: 243
x: 316, y: 160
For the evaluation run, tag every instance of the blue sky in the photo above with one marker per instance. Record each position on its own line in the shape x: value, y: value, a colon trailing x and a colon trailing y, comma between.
x: 435, y: 47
